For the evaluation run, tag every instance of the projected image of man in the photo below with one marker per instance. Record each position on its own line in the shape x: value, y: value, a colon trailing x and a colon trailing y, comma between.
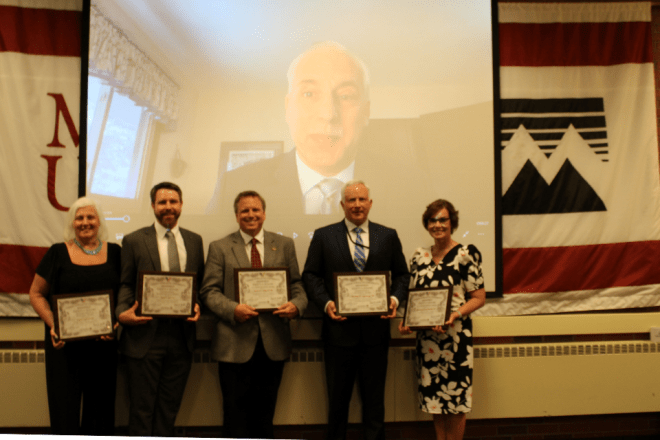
x: 327, y: 108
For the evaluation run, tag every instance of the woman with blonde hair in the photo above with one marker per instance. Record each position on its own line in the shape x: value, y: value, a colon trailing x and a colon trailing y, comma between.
x: 84, y: 370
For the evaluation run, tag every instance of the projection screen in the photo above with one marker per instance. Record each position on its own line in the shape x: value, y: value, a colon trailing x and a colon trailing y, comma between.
x: 227, y: 123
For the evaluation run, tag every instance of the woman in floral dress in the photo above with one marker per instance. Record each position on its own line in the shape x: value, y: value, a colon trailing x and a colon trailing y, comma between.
x: 444, y: 357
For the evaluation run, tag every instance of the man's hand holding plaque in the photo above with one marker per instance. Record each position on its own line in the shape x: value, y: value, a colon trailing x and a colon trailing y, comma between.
x: 362, y: 293
x: 167, y: 295
x: 266, y: 289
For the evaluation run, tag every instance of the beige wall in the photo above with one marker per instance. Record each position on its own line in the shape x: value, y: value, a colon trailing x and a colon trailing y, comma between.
x: 504, y: 387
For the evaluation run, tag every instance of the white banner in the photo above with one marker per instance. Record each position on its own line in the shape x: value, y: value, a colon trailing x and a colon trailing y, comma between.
x: 580, y: 180
x: 39, y: 122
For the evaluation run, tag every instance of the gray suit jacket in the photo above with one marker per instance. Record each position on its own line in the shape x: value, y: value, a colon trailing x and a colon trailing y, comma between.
x: 139, y: 252
x: 233, y: 341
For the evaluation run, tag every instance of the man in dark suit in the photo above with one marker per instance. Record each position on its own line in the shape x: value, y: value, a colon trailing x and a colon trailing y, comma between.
x: 158, y: 351
x: 355, y: 346
x: 250, y: 347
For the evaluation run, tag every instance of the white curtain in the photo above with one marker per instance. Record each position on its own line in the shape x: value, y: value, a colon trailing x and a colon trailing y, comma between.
x: 115, y: 58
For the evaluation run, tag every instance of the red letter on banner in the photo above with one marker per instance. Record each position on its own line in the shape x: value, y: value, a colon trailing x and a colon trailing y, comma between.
x: 60, y: 107
x: 52, y: 168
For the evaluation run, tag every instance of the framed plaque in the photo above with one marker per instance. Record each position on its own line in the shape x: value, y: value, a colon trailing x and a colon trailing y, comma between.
x: 84, y: 315
x: 362, y: 293
x: 167, y: 294
x: 265, y: 288
x: 427, y: 308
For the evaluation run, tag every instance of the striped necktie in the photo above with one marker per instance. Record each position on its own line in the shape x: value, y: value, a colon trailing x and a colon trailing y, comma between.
x: 358, y: 255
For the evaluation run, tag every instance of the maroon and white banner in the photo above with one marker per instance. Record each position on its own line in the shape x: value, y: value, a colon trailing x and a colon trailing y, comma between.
x: 40, y: 44
x: 580, y: 180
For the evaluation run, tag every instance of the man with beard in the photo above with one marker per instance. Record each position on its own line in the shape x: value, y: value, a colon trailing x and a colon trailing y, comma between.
x: 356, y: 346
x: 158, y: 351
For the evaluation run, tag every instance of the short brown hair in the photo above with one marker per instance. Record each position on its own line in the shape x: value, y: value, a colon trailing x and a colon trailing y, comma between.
x: 165, y: 185
x: 249, y: 193
x: 437, y: 206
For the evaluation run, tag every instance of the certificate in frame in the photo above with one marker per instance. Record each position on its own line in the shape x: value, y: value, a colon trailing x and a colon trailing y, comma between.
x: 427, y: 308
x: 88, y: 315
x: 265, y: 288
x: 362, y: 293
x: 167, y: 294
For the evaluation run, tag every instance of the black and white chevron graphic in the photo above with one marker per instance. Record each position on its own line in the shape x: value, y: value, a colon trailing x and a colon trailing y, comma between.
x: 547, y: 184
x: 546, y: 120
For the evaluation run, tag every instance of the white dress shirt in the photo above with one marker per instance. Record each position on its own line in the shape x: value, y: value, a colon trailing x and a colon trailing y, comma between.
x: 309, y: 179
x: 247, y: 238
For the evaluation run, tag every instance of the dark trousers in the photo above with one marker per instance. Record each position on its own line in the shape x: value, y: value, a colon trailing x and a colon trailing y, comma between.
x: 156, y: 383
x: 84, y: 370
x: 342, y: 366
x: 249, y: 393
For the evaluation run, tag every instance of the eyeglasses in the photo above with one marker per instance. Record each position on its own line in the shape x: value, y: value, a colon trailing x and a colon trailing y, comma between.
x: 438, y: 220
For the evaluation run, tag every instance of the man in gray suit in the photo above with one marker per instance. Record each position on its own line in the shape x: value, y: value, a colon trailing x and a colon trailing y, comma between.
x: 158, y: 351
x: 250, y: 347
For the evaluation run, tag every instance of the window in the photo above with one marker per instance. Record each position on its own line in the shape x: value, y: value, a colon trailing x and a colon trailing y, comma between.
x: 118, y: 133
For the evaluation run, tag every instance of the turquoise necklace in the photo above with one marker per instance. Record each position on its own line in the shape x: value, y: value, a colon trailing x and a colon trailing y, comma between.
x: 92, y: 252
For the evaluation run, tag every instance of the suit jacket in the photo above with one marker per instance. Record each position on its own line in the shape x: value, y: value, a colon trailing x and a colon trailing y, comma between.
x: 233, y: 341
x: 329, y: 253
x: 139, y: 253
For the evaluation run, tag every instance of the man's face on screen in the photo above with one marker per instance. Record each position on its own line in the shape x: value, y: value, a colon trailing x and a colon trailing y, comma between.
x: 327, y: 109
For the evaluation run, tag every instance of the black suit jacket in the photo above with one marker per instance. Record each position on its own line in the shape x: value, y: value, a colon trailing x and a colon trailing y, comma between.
x: 329, y: 253
x: 139, y: 252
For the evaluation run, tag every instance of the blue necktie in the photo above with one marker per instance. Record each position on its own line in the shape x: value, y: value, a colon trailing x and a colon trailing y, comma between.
x: 358, y: 255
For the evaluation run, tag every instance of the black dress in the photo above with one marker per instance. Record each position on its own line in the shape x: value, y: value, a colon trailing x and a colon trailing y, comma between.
x: 81, y: 369
x: 444, y: 361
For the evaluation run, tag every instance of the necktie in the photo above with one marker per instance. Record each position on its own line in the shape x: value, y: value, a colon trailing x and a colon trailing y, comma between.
x: 256, y: 259
x: 172, y: 253
x: 358, y: 255
x: 331, y: 192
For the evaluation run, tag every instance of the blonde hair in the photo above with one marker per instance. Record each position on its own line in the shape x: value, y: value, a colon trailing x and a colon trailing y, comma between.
x: 70, y: 233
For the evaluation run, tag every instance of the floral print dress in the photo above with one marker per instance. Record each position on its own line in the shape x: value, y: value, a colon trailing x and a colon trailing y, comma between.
x: 444, y: 361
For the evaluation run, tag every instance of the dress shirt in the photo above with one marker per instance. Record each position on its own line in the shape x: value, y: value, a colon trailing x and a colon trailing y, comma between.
x: 247, y: 238
x: 309, y: 179
x: 162, y: 247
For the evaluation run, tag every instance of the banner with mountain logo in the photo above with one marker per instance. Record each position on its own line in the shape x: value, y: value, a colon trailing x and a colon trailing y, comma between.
x: 580, y: 174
